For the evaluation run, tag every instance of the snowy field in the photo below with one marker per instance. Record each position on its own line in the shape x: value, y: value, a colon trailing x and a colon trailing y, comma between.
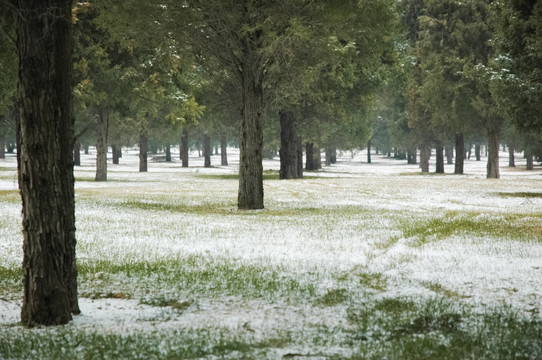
x: 341, y: 264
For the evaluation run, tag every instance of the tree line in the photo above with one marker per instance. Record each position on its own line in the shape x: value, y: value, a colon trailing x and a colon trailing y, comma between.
x: 296, y: 78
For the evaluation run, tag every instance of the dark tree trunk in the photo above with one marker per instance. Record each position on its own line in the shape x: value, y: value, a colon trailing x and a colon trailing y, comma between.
x: 101, y: 144
x: 168, y: 153
x: 412, y: 158
x: 184, y: 148
x: 459, y: 153
x: 449, y: 153
x: 299, y: 157
x: 309, y: 157
x: 493, y: 154
x: 425, y: 155
x: 317, y: 158
x: 511, y: 157
x: 440, y: 160
x: 530, y: 162
x: 369, y: 152
x: 223, y: 151
x: 2, y: 149
x: 250, y: 195
x: 115, y: 154
x: 288, y: 152
x: 206, y: 151
x: 143, y: 150
x: 46, y: 161
x: 77, y: 154
x: 478, y: 152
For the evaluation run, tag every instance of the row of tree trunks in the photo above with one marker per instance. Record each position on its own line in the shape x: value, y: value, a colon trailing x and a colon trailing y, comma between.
x: 46, y: 140
x: 290, y: 142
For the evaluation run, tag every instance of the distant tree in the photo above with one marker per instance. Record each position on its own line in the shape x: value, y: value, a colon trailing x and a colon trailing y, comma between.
x: 44, y: 38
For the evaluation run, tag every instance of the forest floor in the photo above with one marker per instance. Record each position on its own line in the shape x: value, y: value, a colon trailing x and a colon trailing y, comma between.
x: 356, y: 261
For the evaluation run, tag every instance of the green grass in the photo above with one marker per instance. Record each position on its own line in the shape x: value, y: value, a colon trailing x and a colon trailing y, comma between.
x: 527, y: 195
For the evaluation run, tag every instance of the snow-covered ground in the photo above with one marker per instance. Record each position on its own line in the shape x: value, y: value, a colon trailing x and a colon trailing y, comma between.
x: 347, y: 219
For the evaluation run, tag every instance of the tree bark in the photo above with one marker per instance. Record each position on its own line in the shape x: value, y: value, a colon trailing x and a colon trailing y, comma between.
x: 184, y: 148
x: 478, y: 152
x: 530, y: 162
x: 77, y: 154
x: 168, y: 153
x: 369, y: 152
x: 2, y: 149
x: 425, y: 155
x: 309, y: 156
x: 493, y: 154
x: 288, y: 152
x: 449, y: 153
x: 440, y: 160
x: 143, y: 150
x: 511, y: 157
x: 250, y: 195
x: 44, y: 38
x: 223, y: 151
x: 206, y: 151
x: 317, y: 158
x: 101, y: 144
x: 459, y: 153
x: 115, y: 153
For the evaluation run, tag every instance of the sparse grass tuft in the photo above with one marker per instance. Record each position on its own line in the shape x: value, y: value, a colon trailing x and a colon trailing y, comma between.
x: 333, y: 297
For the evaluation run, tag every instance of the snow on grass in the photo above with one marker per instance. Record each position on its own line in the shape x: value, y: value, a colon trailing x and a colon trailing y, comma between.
x: 168, y: 249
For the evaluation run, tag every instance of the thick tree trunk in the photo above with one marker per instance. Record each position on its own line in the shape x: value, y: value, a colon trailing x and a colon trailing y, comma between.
x: 439, y: 160
x: 143, y: 150
x: 493, y: 154
x: 77, y: 154
x: 459, y: 153
x: 369, y: 152
x: 250, y: 195
x: 449, y: 153
x: 289, y: 156
x: 184, y: 148
x: 115, y: 154
x: 425, y: 155
x: 223, y: 151
x: 530, y: 162
x: 46, y: 162
x: 101, y: 144
x: 168, y: 153
x: 206, y: 151
x: 511, y: 157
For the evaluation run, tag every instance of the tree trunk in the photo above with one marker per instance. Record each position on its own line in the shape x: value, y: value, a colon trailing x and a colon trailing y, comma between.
x: 101, y: 144
x: 530, y: 162
x: 87, y: 152
x: 2, y: 149
x: 77, y: 154
x: 309, y: 157
x: 168, y: 153
x: 317, y: 158
x: 459, y: 153
x: 206, y: 151
x: 223, y: 151
x: 449, y: 153
x: 412, y: 159
x: 369, y: 152
x: 115, y: 153
x: 440, y: 160
x: 511, y: 157
x: 478, y: 152
x: 250, y: 194
x: 493, y: 154
x: 288, y: 152
x: 184, y: 148
x: 425, y: 155
x: 143, y: 150
x: 46, y: 161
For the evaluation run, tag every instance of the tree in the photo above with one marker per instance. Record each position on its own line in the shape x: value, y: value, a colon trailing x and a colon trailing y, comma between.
x: 44, y: 37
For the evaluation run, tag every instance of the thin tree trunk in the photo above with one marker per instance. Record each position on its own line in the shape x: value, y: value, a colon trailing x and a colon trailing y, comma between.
x: 46, y: 162
x: 184, y: 148
x: 317, y: 158
x: 115, y: 154
x: 168, y: 153
x: 478, y: 152
x: 77, y: 153
x: 288, y: 146
x: 440, y: 160
x: 2, y: 149
x: 223, y: 151
x: 207, y: 151
x: 530, y: 162
x: 493, y: 154
x: 87, y: 152
x: 449, y: 153
x: 511, y: 157
x: 459, y: 153
x: 101, y: 144
x: 425, y: 155
x: 143, y: 150
x: 299, y: 157
x: 369, y: 151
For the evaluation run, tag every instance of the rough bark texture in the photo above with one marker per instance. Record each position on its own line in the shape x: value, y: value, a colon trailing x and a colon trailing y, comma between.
x: 289, y: 155
x: 46, y: 161
x: 425, y: 155
x: 250, y: 196
x: 184, y: 148
x: 223, y: 151
x: 101, y: 144
x: 493, y: 154
x: 143, y: 150
x: 459, y: 153
x: 439, y: 160
x: 511, y: 157
x: 206, y: 151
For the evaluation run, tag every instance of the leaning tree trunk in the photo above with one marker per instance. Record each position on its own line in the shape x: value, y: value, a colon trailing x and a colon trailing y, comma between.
x: 288, y: 147
x: 459, y: 153
x: 439, y: 160
x: 425, y: 155
x: 206, y: 151
x: 46, y: 161
x: 143, y: 150
x: 101, y: 144
x: 184, y: 148
x: 493, y: 154
x: 511, y: 157
x: 250, y: 194
x: 223, y: 151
